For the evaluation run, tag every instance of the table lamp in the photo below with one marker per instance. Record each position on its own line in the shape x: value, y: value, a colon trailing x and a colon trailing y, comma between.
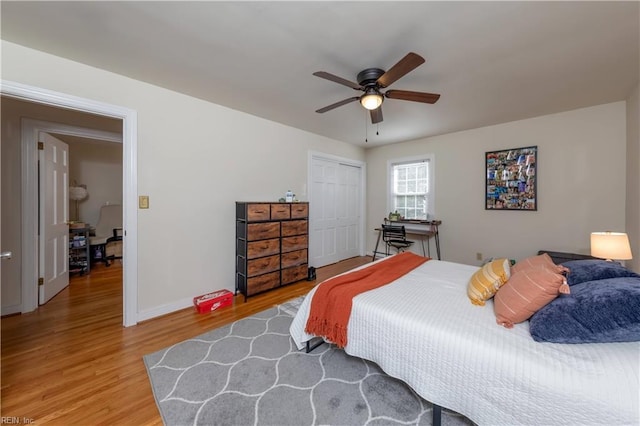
x: 610, y: 245
x: 78, y: 193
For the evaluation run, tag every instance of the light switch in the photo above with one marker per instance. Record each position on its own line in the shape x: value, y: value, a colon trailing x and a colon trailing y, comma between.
x: 143, y: 201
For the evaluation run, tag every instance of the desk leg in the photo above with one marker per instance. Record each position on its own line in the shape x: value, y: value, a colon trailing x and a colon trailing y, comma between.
x: 437, y: 236
x: 424, y: 253
x: 375, y: 250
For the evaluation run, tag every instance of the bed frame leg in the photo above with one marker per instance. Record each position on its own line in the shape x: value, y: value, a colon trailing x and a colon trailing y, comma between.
x: 437, y: 415
x: 315, y: 345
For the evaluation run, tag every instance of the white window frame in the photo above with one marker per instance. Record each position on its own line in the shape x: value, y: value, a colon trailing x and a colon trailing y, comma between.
x: 429, y: 158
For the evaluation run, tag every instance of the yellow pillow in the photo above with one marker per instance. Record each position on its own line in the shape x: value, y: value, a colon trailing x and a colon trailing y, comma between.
x: 486, y: 281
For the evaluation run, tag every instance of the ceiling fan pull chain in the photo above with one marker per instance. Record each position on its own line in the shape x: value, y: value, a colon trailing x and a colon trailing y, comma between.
x: 366, y: 130
x: 377, y: 129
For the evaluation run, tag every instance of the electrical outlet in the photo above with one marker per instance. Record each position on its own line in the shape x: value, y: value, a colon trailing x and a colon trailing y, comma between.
x: 478, y: 256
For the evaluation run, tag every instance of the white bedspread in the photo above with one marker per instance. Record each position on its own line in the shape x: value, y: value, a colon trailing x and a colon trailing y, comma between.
x: 423, y: 330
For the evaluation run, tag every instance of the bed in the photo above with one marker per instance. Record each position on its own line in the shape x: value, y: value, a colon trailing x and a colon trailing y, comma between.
x: 422, y: 329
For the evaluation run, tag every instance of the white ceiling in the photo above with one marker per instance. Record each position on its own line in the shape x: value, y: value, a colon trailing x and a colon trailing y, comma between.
x: 492, y: 62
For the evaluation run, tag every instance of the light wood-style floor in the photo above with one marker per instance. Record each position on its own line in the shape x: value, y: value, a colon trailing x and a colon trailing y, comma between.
x: 71, y: 362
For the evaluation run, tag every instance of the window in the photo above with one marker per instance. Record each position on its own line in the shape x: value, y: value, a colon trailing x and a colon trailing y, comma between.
x: 411, y: 187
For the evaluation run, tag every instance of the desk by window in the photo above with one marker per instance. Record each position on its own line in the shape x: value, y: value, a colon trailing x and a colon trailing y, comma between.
x: 424, y: 229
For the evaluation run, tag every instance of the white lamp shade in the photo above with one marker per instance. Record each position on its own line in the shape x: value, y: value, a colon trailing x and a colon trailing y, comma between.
x: 77, y: 193
x: 371, y: 101
x: 610, y: 245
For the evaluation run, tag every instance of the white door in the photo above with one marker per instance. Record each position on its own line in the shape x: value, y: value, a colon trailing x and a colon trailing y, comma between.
x: 335, y: 211
x: 348, y: 206
x: 54, y: 215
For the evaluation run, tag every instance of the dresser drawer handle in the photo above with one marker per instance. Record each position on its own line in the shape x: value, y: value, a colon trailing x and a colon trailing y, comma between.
x: 263, y: 263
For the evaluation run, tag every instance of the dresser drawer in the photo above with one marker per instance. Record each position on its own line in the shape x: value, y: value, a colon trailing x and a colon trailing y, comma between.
x: 294, y: 243
x: 299, y: 211
x: 262, y: 283
x: 280, y: 211
x: 263, y: 248
x: 256, y: 212
x: 294, y: 258
x: 297, y: 273
x: 263, y: 231
x: 263, y: 265
x: 294, y: 227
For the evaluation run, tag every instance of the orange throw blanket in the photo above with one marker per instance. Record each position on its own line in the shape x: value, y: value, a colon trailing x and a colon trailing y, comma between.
x: 332, y: 301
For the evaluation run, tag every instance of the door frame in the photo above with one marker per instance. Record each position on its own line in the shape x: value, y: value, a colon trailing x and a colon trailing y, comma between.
x: 30, y: 190
x: 313, y: 155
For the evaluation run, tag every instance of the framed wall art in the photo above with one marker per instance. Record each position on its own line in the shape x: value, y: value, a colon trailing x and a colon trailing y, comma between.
x: 511, y: 182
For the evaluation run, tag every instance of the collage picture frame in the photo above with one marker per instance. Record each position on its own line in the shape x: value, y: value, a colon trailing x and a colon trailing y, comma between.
x: 511, y: 179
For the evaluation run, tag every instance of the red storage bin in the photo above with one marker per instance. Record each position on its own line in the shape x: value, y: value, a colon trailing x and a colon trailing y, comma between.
x: 213, y: 301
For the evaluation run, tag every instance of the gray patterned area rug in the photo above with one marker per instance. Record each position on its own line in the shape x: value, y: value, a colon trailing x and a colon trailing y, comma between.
x: 251, y: 373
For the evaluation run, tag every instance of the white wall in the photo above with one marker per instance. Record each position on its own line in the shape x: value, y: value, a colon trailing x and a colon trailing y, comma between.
x: 633, y: 177
x: 98, y: 165
x: 581, y: 184
x: 195, y: 159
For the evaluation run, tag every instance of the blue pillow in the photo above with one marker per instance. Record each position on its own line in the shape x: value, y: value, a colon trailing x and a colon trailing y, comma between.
x: 607, y: 310
x: 593, y: 269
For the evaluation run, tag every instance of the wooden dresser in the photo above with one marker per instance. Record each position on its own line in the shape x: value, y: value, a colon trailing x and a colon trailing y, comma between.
x: 272, y: 241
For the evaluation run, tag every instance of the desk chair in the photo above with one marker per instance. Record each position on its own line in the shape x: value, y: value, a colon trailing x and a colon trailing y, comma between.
x: 108, y: 236
x: 395, y: 236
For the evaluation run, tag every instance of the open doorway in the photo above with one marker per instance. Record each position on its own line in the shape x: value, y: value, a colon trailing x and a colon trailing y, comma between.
x: 27, y: 197
x: 94, y: 171
x: 77, y: 146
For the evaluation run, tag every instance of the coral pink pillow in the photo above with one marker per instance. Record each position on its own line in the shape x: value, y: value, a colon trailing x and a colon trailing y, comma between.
x: 526, y: 292
x: 536, y: 262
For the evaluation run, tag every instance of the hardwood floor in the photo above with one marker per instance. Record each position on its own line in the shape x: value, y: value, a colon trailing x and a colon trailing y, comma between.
x: 71, y: 362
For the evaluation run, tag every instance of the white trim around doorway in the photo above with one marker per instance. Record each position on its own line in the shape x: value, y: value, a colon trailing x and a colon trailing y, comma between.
x: 29, y: 191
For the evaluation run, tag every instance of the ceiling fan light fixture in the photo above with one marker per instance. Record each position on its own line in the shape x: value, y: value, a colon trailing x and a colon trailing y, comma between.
x: 372, y: 99
x: 372, y: 80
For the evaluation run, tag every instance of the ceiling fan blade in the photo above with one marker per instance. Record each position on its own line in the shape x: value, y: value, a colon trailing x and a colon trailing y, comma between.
x: 376, y: 115
x: 407, y: 64
x: 406, y: 95
x: 337, y: 104
x: 336, y: 79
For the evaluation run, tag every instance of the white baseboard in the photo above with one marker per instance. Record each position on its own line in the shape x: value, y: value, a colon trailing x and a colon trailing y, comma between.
x: 9, y: 310
x: 165, y: 309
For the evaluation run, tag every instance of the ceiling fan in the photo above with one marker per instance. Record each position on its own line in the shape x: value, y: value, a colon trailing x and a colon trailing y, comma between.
x: 371, y: 80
